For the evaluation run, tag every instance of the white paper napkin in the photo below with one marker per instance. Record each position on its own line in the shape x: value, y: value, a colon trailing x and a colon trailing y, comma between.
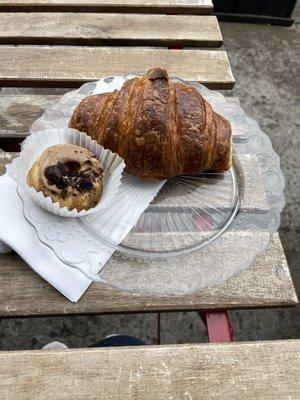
x: 16, y: 232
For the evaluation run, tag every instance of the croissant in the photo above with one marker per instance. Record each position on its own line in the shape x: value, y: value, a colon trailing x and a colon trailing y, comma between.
x: 160, y: 128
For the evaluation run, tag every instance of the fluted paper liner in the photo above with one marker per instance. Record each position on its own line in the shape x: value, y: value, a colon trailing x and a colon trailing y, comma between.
x: 37, y: 142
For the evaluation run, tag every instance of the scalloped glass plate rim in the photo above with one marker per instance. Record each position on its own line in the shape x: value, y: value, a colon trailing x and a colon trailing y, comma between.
x: 269, y: 164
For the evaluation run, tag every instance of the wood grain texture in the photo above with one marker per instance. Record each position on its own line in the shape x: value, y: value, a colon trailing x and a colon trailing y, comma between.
x: 266, y: 284
x: 253, y: 198
x: 19, y: 111
x: 69, y: 66
x: 109, y: 29
x: 141, y: 6
x: 252, y: 201
x: 239, y: 371
x: 5, y: 158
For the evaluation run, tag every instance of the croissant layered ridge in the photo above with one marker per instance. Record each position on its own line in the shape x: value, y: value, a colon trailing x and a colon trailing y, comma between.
x: 159, y: 127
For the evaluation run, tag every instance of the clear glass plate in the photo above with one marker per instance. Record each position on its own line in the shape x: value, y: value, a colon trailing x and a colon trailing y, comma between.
x: 188, y: 213
x: 198, y: 231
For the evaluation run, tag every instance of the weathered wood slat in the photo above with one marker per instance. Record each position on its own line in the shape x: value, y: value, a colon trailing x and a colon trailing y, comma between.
x: 5, y: 158
x: 141, y: 6
x: 19, y: 111
x: 239, y: 371
x: 266, y: 284
x: 251, y: 200
x: 69, y: 66
x: 109, y: 29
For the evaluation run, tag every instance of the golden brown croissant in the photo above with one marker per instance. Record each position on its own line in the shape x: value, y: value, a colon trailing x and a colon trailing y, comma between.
x: 160, y: 128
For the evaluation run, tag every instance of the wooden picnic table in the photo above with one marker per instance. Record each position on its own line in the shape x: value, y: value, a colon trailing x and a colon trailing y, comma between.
x: 62, y: 43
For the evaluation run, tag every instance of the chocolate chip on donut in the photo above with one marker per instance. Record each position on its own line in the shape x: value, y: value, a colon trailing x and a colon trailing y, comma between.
x: 70, y: 174
x: 57, y: 175
x: 73, y: 166
x: 85, y: 185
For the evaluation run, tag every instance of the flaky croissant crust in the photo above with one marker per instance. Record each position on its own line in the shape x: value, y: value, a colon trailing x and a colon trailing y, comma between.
x: 159, y: 127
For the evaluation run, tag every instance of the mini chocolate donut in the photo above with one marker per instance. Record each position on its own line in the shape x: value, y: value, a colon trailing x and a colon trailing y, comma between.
x: 70, y: 174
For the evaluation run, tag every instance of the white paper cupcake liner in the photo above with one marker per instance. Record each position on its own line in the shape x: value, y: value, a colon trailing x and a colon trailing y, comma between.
x: 37, y: 142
